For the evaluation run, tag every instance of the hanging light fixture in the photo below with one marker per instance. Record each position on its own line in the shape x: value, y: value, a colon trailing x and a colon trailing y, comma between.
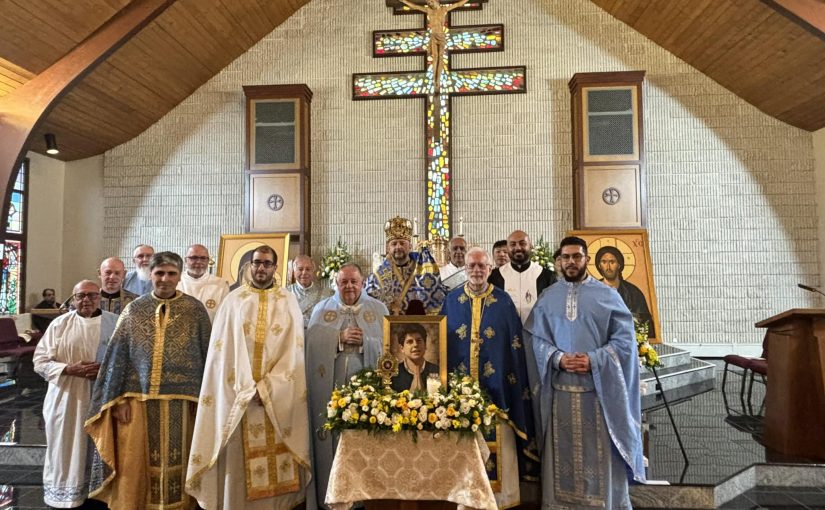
x: 51, y: 144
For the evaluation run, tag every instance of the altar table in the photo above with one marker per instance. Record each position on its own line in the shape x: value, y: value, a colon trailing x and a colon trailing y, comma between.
x: 387, y: 466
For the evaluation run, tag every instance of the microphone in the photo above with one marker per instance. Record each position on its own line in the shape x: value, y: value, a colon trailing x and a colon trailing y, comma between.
x: 810, y: 289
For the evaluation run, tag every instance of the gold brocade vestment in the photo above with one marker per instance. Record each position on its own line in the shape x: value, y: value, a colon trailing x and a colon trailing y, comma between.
x: 154, y: 364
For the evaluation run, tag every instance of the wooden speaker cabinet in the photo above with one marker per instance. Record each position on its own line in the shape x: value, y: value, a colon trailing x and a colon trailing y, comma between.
x: 277, y: 164
x: 608, y: 150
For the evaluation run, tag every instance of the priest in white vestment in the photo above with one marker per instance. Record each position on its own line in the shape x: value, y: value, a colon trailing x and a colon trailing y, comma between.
x: 66, y: 358
x: 345, y: 335
x: 195, y: 281
x: 250, y: 448
x: 306, y: 288
x: 522, y: 279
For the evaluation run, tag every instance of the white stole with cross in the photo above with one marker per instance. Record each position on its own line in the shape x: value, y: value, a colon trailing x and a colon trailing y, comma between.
x: 256, y: 348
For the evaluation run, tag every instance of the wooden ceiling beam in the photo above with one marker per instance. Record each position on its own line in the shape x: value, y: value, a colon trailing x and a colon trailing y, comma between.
x: 24, y: 109
x: 809, y: 14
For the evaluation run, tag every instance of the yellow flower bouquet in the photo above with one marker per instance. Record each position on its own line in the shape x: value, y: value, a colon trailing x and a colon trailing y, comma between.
x: 363, y: 405
x: 648, y: 357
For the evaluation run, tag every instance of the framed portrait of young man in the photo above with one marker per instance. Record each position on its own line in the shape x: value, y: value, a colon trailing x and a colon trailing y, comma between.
x: 419, y: 343
x: 621, y: 259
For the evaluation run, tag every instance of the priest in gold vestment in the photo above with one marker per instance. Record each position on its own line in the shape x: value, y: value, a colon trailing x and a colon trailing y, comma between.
x: 143, y: 402
x: 251, y: 444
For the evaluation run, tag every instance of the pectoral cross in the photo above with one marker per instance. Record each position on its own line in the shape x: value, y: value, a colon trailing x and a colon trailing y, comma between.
x: 437, y: 84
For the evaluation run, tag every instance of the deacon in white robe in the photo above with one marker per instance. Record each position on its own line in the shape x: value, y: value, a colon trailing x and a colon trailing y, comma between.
x: 458, y: 248
x: 345, y: 335
x: 522, y: 279
x: 195, y: 281
x: 306, y: 288
x: 250, y: 448
x: 66, y: 358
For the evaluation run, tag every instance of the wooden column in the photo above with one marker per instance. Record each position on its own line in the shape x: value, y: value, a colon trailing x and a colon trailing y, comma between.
x: 23, y: 110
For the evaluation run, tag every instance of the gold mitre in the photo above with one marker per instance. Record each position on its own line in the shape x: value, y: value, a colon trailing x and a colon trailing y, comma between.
x: 398, y: 228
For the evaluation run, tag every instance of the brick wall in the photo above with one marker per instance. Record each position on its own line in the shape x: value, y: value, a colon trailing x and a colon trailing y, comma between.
x: 731, y: 197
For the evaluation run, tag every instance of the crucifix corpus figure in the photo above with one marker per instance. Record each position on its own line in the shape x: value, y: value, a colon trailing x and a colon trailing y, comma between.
x: 436, y: 20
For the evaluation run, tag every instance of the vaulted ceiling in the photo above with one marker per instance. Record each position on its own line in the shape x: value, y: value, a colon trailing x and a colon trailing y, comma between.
x: 771, y: 59
x: 142, y: 81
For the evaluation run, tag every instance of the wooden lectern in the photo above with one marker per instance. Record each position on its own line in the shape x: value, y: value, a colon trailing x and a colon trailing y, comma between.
x: 795, y: 400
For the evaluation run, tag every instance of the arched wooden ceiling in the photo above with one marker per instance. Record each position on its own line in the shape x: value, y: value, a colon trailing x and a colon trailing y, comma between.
x: 771, y: 53
x: 770, y: 59
x: 142, y: 81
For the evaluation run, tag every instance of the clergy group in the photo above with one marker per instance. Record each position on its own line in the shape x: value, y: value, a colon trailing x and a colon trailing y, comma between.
x: 169, y: 390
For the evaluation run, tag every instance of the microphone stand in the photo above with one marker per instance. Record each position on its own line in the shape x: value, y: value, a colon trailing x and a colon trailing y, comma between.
x: 810, y: 289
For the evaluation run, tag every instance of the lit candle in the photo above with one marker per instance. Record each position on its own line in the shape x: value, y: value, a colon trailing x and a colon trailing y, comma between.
x: 433, y: 384
x: 461, y: 226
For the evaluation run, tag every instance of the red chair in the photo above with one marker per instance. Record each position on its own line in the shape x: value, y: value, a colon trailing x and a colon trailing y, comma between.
x: 11, y: 345
x: 757, y: 366
x: 747, y: 364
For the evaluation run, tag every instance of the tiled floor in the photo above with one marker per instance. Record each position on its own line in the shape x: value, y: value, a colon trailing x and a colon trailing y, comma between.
x: 21, y: 498
x: 719, y: 433
x: 21, y: 415
x: 780, y: 497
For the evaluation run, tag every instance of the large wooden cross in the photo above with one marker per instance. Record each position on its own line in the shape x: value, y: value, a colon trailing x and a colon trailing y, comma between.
x: 452, y: 82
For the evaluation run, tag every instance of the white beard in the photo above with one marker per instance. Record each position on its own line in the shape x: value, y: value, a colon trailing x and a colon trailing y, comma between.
x: 143, y: 274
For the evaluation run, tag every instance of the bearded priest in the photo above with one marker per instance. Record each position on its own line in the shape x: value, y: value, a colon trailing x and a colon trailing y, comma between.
x: 251, y: 444
x: 484, y: 340
x: 405, y: 276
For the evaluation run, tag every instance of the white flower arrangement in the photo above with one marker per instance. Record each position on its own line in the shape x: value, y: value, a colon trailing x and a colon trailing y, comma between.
x: 543, y: 255
x: 362, y: 404
x: 334, y: 258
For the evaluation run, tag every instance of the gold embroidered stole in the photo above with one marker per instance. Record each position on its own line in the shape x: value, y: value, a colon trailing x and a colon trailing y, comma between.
x: 168, y: 427
x: 477, y: 302
x: 385, y: 281
x: 271, y: 469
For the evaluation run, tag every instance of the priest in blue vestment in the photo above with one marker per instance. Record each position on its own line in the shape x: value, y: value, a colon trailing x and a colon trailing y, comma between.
x: 581, y: 336
x: 484, y: 340
x: 404, y: 275
x: 344, y: 335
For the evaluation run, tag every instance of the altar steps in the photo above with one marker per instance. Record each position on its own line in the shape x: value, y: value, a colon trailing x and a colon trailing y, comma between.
x: 681, y: 377
x: 758, y: 486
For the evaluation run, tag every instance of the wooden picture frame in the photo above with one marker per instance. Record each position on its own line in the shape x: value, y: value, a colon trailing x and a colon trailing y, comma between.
x: 631, y: 251
x: 436, y: 328
x: 235, y: 249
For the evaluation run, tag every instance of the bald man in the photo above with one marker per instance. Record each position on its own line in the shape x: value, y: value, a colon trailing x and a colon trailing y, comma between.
x: 68, y: 358
x: 113, y: 297
x: 308, y: 291
x: 198, y: 283
x: 522, y: 279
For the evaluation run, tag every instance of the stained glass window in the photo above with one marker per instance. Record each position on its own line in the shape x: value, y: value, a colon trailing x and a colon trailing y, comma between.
x: 12, y: 247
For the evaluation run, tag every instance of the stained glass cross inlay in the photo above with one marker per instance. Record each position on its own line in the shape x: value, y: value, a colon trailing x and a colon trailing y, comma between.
x: 438, y: 96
